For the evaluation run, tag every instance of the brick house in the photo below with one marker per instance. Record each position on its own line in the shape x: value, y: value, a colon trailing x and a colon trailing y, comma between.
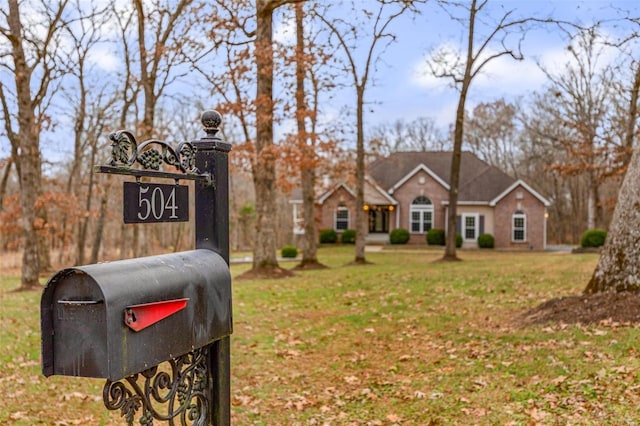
x: 410, y: 190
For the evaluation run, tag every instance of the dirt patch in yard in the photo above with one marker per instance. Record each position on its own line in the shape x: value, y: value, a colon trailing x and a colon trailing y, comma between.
x: 608, y: 307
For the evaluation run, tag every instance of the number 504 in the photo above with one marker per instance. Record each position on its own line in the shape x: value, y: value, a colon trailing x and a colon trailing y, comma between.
x: 153, y: 202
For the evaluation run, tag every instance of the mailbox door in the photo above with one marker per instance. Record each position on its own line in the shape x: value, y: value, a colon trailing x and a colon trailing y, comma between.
x: 78, y: 336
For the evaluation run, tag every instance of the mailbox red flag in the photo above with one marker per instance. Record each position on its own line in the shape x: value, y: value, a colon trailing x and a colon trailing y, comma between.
x: 139, y: 317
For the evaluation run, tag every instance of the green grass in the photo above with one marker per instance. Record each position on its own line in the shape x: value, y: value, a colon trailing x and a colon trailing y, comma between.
x: 401, y: 341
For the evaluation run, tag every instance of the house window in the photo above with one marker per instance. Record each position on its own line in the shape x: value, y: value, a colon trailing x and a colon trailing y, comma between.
x: 470, y: 227
x: 342, y: 219
x: 519, y: 226
x: 421, y: 215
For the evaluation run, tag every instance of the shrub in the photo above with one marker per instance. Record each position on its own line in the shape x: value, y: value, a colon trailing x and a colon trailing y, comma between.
x: 458, y: 240
x: 486, y: 241
x: 593, y: 238
x: 328, y: 236
x: 289, y: 251
x: 399, y: 236
x: 435, y: 237
x: 348, y: 236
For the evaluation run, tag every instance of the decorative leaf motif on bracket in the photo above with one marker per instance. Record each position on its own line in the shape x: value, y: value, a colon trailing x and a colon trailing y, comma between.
x: 150, y: 154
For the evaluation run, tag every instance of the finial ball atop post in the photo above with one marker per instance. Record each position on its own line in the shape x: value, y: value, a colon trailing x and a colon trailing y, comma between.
x: 211, y: 121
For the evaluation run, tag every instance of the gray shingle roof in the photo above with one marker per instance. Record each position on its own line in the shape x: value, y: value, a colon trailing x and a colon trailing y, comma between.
x: 479, y: 181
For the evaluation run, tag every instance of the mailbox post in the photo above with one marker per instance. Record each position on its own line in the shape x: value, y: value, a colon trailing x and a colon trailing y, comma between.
x: 212, y: 232
x: 157, y: 328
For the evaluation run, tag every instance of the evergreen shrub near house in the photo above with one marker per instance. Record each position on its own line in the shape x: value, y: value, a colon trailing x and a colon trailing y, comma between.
x: 348, y: 236
x: 435, y: 237
x: 486, y: 241
x: 399, y: 236
x: 289, y: 251
x: 593, y: 238
x: 458, y: 240
x: 328, y: 236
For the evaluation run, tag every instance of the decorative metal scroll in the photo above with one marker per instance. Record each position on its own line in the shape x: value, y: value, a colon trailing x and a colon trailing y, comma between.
x: 178, y: 395
x: 125, y: 152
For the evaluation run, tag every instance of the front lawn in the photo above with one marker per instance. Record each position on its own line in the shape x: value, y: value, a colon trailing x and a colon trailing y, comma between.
x: 402, y: 341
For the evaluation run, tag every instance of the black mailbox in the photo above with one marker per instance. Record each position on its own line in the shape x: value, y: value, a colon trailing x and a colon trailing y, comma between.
x: 112, y: 320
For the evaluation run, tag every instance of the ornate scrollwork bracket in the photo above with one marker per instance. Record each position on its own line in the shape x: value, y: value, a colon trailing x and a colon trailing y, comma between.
x: 177, y: 396
x: 150, y: 155
x: 125, y: 152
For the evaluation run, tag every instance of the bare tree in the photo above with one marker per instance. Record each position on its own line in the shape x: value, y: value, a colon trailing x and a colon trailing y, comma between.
x: 129, y: 91
x: 90, y: 99
x: 164, y: 44
x: 32, y: 61
x: 491, y: 132
x: 582, y: 103
x: 264, y: 169
x: 249, y: 54
x: 424, y: 135
x: 487, y: 39
x: 306, y: 143
x: 540, y: 151
x: 380, y: 19
x: 421, y: 134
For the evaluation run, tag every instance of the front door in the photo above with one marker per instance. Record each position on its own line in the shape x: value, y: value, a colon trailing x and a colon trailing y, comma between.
x: 379, y: 219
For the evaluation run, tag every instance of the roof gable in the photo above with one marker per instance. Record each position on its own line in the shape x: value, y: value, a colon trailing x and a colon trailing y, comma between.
x: 420, y: 167
x: 517, y: 183
x: 375, y: 195
x: 330, y: 192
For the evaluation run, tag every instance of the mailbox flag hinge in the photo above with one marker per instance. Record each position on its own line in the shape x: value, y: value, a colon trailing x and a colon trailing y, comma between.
x: 139, y: 317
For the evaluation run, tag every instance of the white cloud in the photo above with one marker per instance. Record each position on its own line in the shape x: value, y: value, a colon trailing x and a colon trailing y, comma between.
x: 509, y: 76
x: 445, y: 114
x: 503, y: 75
x: 284, y: 30
x: 422, y: 76
x: 104, y: 58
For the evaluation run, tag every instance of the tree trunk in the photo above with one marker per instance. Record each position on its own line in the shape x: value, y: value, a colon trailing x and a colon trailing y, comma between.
x: 361, y: 220
x: 97, y: 239
x: 44, y: 243
x: 592, y: 201
x: 305, y: 142
x: 454, y: 180
x: 456, y: 156
x: 5, y: 179
x: 84, y: 223
x: 124, y: 242
x: 618, y: 268
x: 29, y: 184
x: 632, y: 116
x: 264, y: 252
x: 28, y: 159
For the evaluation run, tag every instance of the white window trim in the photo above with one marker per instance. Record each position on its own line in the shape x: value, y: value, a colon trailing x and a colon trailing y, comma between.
x: 524, y: 227
x: 422, y: 209
x: 335, y: 219
x: 476, y: 227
